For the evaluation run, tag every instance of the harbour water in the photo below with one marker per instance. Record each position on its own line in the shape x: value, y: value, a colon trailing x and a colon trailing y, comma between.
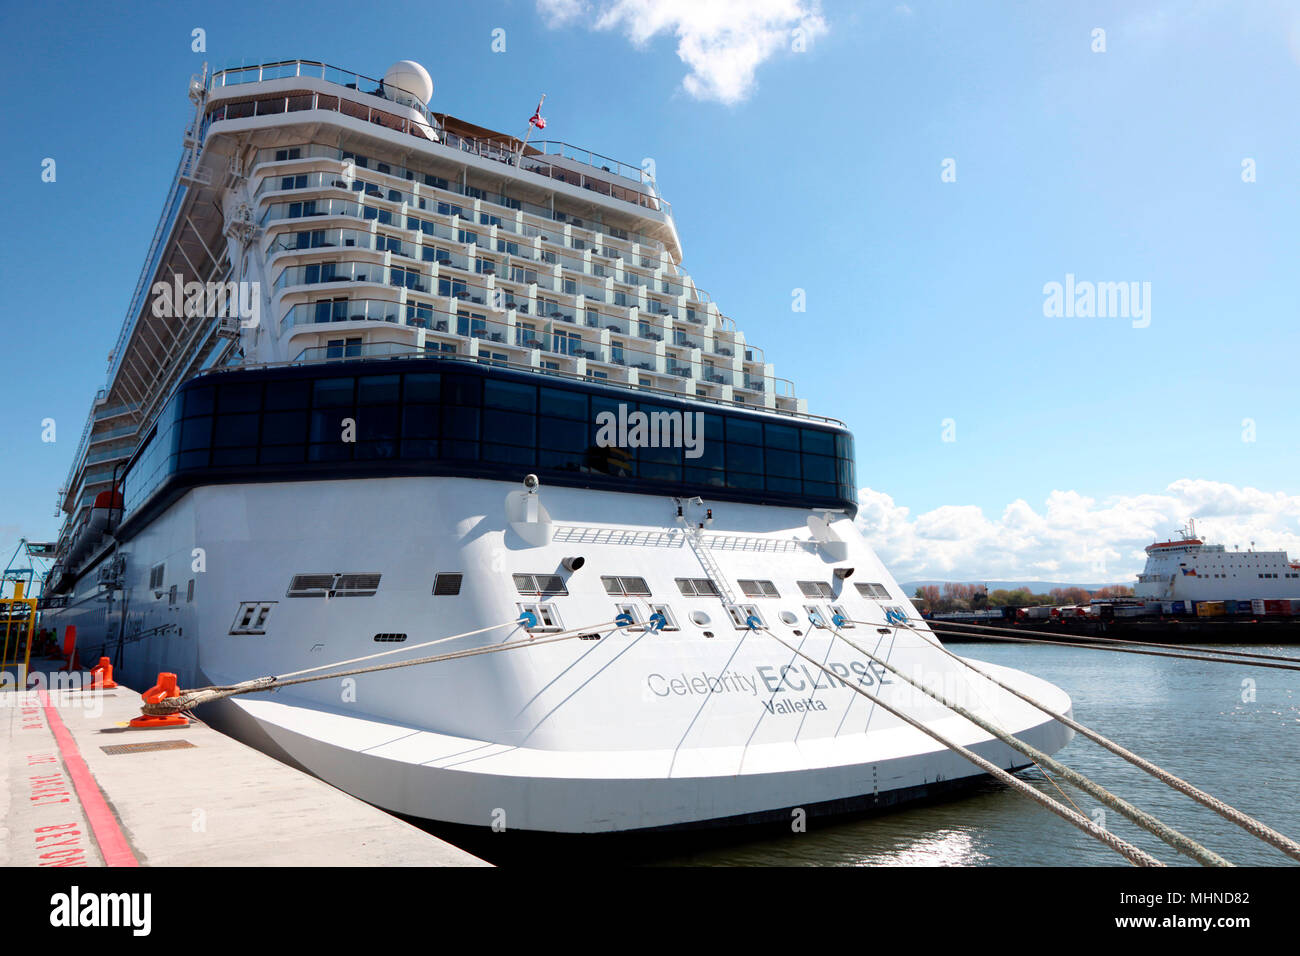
x: 1205, y: 722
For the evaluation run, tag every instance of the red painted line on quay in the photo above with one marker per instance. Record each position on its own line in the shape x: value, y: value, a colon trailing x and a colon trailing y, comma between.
x: 112, y: 843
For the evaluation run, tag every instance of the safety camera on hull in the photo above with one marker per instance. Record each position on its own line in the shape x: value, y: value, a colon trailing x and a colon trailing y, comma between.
x: 531, y: 482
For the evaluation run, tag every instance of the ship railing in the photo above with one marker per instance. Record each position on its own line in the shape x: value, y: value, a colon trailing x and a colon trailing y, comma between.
x: 398, y: 351
x: 504, y: 150
x: 426, y: 221
x: 506, y: 265
x: 403, y: 176
x: 606, y: 164
x: 499, y: 297
x: 558, y: 336
x: 308, y: 69
x: 317, y: 70
x: 170, y: 211
x: 298, y: 101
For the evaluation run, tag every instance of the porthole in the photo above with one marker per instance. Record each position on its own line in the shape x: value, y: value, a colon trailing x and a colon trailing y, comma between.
x: 789, y: 617
x: 700, y: 618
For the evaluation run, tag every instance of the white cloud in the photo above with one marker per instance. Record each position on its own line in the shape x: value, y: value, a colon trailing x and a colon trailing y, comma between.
x: 723, y: 42
x: 1072, y: 538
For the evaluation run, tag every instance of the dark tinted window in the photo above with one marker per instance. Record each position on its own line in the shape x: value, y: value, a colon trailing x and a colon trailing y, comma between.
x: 562, y: 403
x: 510, y: 395
x: 482, y: 423
x: 332, y: 391
x: 378, y: 389
x: 289, y: 394
x: 423, y: 387
x: 199, y: 400
x: 748, y: 432
x: 244, y: 397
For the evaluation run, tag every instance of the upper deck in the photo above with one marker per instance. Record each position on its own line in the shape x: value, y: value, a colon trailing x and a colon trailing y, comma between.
x: 266, y: 94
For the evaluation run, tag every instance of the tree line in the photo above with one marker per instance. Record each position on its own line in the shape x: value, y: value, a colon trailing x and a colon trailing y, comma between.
x: 952, y: 596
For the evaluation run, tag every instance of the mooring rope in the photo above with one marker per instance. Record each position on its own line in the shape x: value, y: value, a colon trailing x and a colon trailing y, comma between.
x: 1052, y: 636
x: 1122, y: 847
x: 188, y: 699
x: 959, y: 631
x: 1180, y: 842
x: 1248, y: 823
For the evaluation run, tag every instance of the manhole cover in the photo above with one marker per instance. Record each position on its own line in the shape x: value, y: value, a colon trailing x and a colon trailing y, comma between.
x: 149, y: 747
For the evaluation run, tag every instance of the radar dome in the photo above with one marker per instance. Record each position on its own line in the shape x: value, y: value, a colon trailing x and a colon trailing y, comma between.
x: 407, y: 76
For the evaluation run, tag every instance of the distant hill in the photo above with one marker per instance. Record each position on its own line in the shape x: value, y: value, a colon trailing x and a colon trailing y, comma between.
x: 1036, y: 587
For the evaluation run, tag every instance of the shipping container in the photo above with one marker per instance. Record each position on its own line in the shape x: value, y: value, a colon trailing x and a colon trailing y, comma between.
x: 1282, y: 607
x: 1243, y: 607
x: 1209, y: 608
x: 1257, y: 606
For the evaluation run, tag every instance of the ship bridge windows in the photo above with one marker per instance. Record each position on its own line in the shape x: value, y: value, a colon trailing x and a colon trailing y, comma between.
x: 753, y: 588
x: 815, y: 589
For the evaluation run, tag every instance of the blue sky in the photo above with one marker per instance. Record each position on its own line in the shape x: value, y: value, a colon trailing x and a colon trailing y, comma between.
x: 1075, y: 438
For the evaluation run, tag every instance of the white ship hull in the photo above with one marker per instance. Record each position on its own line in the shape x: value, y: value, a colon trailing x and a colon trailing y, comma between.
x: 635, y: 730
x: 1187, y: 569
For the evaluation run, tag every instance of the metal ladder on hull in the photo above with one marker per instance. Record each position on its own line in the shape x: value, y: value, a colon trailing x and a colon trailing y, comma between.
x: 711, y: 569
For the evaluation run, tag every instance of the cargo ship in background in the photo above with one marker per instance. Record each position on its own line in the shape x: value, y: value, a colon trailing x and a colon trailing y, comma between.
x: 408, y: 446
x: 1186, y: 568
x: 1184, y: 578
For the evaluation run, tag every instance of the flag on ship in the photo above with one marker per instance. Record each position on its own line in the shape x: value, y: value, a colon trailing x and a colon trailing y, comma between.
x: 536, y: 119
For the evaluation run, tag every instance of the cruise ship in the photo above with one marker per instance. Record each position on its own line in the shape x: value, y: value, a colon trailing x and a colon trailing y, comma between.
x: 1186, y: 568
x: 389, y: 377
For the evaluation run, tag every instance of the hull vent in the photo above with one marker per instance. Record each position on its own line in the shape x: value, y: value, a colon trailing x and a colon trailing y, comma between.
x: 875, y: 591
x: 333, y: 585
x: 447, y: 585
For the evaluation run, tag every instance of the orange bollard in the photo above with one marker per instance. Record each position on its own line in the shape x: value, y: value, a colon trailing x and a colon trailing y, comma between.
x: 101, y: 675
x: 166, y: 687
x: 71, y: 662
